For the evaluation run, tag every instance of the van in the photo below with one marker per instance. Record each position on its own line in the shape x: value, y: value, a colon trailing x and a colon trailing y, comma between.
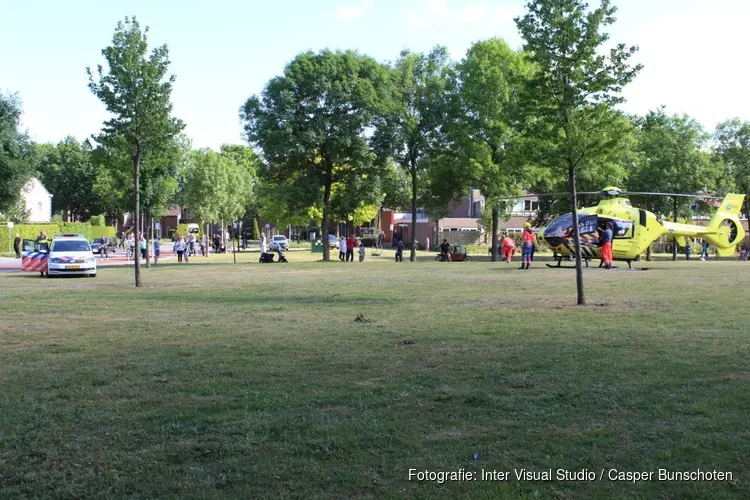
x: 193, y: 229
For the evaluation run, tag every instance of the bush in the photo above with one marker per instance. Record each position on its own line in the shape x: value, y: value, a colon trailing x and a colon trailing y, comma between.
x: 98, y: 221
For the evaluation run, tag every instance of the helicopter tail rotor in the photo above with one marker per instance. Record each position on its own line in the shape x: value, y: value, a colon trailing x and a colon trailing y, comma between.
x: 726, y: 226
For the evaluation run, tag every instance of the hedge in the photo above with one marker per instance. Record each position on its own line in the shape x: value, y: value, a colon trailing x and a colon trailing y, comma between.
x: 30, y: 231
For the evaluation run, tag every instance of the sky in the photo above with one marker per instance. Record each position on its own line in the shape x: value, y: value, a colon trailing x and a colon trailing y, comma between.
x: 222, y: 52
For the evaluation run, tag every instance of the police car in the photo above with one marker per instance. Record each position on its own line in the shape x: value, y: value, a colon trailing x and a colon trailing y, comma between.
x: 71, y: 254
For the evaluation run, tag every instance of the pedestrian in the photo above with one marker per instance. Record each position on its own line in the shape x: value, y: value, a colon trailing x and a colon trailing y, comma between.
x: 131, y: 246
x: 41, y: 244
x: 361, y: 252
x: 204, y: 251
x: 381, y: 239
x: 17, y: 246
x: 143, y: 247
x: 427, y: 244
x: 688, y: 250
x: 342, y: 249
x: 157, y: 250
x: 263, y: 244
x: 704, y: 250
x: 350, y: 244
x: 179, y: 248
x: 527, y: 243
x: 400, y: 251
x: 606, y: 242
x: 509, y: 246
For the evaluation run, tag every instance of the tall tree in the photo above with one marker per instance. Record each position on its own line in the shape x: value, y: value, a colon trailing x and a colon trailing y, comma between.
x: 574, y: 87
x: 671, y: 158
x: 411, y: 128
x: 137, y: 91
x: 310, y: 123
x: 733, y: 137
x: 488, y: 132
x: 15, y: 153
x: 69, y: 173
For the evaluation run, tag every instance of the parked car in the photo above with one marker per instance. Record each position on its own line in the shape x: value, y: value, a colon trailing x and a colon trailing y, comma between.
x: 333, y: 242
x: 279, y: 242
x: 96, y: 246
x: 71, y: 254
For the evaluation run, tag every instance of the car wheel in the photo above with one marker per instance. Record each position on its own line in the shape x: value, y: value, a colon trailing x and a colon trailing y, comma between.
x: 468, y: 258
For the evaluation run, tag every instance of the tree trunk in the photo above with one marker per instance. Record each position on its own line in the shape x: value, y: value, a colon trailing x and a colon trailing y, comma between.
x: 495, y: 224
x: 576, y: 237
x: 137, y: 186
x: 413, y: 253
x: 674, y: 249
x: 326, y: 209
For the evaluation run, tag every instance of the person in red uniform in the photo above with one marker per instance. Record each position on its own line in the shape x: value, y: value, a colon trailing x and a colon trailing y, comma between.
x: 527, y: 243
x: 606, y: 241
x: 509, y: 245
x: 350, y: 244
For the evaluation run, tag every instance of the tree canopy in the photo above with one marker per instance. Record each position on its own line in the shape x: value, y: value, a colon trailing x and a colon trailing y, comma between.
x: 16, y: 158
x: 310, y: 124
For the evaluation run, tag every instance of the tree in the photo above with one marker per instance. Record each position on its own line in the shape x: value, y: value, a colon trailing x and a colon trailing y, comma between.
x: 488, y: 131
x: 15, y: 153
x: 670, y: 158
x: 573, y: 88
x: 733, y: 137
x: 218, y: 186
x: 310, y: 124
x: 69, y: 173
x: 411, y: 128
x: 137, y: 91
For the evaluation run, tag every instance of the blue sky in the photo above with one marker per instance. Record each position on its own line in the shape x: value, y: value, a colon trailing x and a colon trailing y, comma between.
x: 223, y: 51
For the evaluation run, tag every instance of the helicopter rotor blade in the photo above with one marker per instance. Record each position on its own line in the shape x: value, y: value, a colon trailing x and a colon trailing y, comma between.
x: 542, y: 195
x: 678, y: 195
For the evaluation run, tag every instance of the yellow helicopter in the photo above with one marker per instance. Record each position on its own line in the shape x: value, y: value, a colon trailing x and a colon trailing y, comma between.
x: 634, y: 229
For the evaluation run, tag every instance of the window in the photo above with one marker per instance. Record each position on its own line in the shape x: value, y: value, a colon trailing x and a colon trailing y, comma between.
x: 70, y: 246
x: 623, y: 229
x: 530, y: 206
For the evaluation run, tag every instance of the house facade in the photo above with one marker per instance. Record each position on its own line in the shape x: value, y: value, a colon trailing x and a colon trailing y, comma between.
x: 38, y: 201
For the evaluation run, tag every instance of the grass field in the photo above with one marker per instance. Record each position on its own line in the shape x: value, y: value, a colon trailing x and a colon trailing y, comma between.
x: 256, y: 381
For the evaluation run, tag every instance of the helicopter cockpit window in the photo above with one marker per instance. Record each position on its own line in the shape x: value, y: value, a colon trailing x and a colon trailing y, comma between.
x: 559, y: 227
x: 623, y: 229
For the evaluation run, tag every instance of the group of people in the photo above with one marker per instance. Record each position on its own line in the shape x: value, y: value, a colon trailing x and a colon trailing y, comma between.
x: 507, y: 246
x: 346, y: 249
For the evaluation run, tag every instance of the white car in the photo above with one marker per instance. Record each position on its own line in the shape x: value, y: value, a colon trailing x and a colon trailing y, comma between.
x: 279, y: 242
x: 71, y: 254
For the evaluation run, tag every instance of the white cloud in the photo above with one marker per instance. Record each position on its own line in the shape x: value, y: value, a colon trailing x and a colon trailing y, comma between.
x: 353, y: 13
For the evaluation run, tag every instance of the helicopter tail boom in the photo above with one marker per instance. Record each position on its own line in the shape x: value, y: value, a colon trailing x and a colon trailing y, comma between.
x: 724, y: 230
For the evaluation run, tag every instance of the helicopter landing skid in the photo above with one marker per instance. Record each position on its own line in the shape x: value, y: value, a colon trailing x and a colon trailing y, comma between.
x: 601, y: 264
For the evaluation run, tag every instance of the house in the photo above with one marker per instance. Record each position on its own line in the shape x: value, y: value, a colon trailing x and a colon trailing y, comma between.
x: 38, y: 201
x: 462, y: 223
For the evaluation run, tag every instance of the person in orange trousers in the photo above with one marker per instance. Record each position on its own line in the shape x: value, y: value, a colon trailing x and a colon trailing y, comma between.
x: 606, y: 242
x: 509, y: 246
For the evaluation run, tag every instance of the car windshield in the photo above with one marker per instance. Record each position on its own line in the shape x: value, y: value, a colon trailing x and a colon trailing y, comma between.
x: 279, y: 238
x: 70, y: 246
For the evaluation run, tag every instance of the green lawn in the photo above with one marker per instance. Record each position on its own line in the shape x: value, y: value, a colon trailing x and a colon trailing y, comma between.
x: 256, y: 381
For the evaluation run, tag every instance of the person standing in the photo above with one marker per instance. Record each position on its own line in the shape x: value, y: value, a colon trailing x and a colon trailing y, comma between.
x: 688, y: 250
x: 263, y: 247
x: 704, y: 251
x: 17, y: 246
x: 427, y: 244
x: 157, y: 250
x: 179, y: 248
x: 606, y: 240
x: 527, y: 244
x: 361, y: 252
x: 142, y: 245
x: 342, y: 249
x: 41, y: 244
x: 381, y: 239
x: 350, y: 244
